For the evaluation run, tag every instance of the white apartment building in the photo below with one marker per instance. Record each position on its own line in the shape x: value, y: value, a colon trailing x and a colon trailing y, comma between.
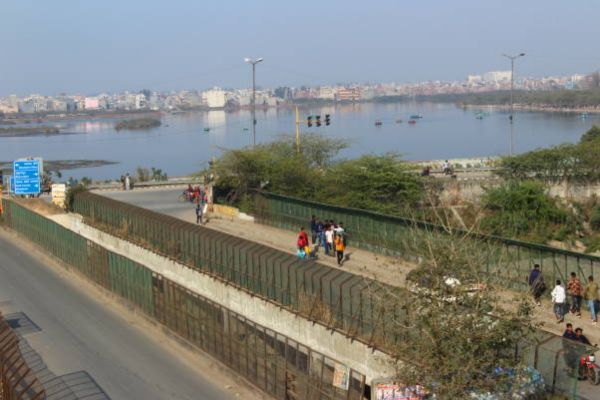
x: 496, y: 76
x: 214, y: 98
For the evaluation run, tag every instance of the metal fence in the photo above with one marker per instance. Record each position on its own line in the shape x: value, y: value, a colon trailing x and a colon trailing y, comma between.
x: 508, y: 260
x: 339, y: 300
x: 17, y: 380
x: 275, y: 363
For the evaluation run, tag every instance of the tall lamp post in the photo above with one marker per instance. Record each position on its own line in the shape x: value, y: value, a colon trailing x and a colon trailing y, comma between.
x: 512, y: 59
x: 253, y: 62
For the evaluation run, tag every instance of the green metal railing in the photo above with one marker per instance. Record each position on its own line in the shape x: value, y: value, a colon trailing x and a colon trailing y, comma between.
x: 509, y: 261
x: 337, y: 299
x: 275, y: 363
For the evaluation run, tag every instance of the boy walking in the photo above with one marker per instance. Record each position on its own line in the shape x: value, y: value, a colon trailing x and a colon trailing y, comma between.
x: 339, y: 249
x: 559, y: 296
x: 591, y: 296
x: 574, y: 288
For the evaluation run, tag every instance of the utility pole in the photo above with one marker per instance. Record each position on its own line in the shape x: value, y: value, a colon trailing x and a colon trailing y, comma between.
x: 512, y: 104
x: 253, y: 62
x: 297, y: 130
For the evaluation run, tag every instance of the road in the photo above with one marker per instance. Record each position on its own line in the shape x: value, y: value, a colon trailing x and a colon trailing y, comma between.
x: 92, y: 347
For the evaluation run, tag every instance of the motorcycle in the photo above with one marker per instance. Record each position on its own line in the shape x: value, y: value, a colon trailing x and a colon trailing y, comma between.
x: 589, y: 368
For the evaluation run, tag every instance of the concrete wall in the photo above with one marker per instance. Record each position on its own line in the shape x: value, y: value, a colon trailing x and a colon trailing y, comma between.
x: 355, y: 355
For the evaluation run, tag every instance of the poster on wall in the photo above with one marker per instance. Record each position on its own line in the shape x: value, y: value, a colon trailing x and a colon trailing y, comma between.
x: 389, y: 390
x: 341, y: 376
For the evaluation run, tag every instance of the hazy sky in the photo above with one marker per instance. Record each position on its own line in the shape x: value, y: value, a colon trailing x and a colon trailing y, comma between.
x: 85, y: 46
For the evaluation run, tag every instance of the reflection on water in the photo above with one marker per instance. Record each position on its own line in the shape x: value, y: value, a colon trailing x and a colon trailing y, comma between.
x: 181, y: 145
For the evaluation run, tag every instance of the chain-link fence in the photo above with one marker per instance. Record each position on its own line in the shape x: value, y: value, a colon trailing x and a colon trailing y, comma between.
x: 282, y: 367
x: 509, y: 261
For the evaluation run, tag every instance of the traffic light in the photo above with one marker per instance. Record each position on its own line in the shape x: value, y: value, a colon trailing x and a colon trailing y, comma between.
x: 309, y: 121
x: 318, y: 118
x: 327, y: 120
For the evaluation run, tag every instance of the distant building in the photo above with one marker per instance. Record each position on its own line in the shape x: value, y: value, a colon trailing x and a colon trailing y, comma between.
x: 91, y: 103
x: 497, y: 76
x: 472, y: 79
x: 214, y: 98
x: 348, y: 94
x: 326, y: 93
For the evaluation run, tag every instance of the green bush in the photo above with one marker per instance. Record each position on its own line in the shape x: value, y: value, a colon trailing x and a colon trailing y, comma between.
x: 523, y: 209
x: 595, y: 218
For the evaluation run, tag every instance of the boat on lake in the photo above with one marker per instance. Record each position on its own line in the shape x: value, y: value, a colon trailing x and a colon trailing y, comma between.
x: 416, y: 116
x: 412, y: 121
x: 398, y: 121
x: 378, y: 123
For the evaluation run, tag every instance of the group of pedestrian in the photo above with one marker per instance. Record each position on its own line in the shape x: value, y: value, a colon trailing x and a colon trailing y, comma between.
x: 566, y: 299
x: 326, y: 234
x: 126, y: 182
x: 199, y: 197
x: 573, y: 339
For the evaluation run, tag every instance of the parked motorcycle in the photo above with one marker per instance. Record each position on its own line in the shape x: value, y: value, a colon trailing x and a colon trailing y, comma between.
x: 589, y: 368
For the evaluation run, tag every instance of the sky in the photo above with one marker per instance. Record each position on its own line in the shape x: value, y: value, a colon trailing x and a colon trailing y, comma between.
x: 89, y: 47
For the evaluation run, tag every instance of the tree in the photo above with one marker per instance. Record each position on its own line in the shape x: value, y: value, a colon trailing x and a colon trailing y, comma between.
x: 378, y: 183
x: 454, y: 325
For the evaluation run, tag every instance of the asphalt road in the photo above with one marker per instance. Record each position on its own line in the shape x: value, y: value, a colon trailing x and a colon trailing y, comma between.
x: 162, y: 200
x: 93, y: 348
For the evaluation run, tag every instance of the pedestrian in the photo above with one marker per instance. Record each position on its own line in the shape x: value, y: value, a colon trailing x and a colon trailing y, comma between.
x: 571, y: 355
x: 339, y: 249
x: 313, y: 229
x: 574, y: 289
x: 302, y: 239
x: 537, y: 284
x: 569, y: 333
x: 127, y: 182
x: 199, y: 212
x: 123, y: 182
x: 591, y: 296
x: 329, y: 241
x: 580, y: 337
x: 559, y: 296
x: 320, y: 235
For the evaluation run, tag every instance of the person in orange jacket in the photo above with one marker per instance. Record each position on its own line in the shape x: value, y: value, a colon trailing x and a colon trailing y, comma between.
x: 339, y: 248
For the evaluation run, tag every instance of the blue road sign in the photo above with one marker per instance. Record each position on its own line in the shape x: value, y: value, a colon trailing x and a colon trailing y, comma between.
x: 26, y: 177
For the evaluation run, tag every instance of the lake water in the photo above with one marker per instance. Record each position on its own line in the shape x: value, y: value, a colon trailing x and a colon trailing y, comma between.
x: 181, y: 146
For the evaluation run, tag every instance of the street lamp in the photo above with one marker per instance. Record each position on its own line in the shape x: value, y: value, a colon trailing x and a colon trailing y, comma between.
x: 253, y: 62
x: 512, y: 59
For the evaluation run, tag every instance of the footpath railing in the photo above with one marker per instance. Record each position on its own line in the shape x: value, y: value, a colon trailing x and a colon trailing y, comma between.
x: 348, y: 303
x: 509, y: 261
x: 280, y: 366
x: 17, y: 380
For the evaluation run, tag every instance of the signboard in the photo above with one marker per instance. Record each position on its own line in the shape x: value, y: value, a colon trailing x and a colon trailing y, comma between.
x: 341, y: 376
x: 26, y: 176
x: 59, y: 194
x: 388, y: 390
x: 11, y: 185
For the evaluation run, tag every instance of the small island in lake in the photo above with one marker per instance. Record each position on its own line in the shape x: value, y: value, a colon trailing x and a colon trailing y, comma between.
x: 29, y: 130
x: 138, y: 123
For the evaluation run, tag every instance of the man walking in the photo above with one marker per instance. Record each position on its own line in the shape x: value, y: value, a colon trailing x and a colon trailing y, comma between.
x: 536, y: 283
x: 559, y: 296
x: 314, y: 229
x: 329, y: 240
x: 574, y: 288
x: 591, y: 296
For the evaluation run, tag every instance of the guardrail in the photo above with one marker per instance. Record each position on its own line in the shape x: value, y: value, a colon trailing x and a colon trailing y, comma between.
x: 509, y: 261
x: 275, y: 363
x: 17, y: 380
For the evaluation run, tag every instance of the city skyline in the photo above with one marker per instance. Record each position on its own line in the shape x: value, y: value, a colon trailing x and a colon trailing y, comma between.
x: 72, y: 47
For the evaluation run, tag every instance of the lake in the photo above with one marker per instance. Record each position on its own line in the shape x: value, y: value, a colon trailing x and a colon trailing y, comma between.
x: 181, y: 146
